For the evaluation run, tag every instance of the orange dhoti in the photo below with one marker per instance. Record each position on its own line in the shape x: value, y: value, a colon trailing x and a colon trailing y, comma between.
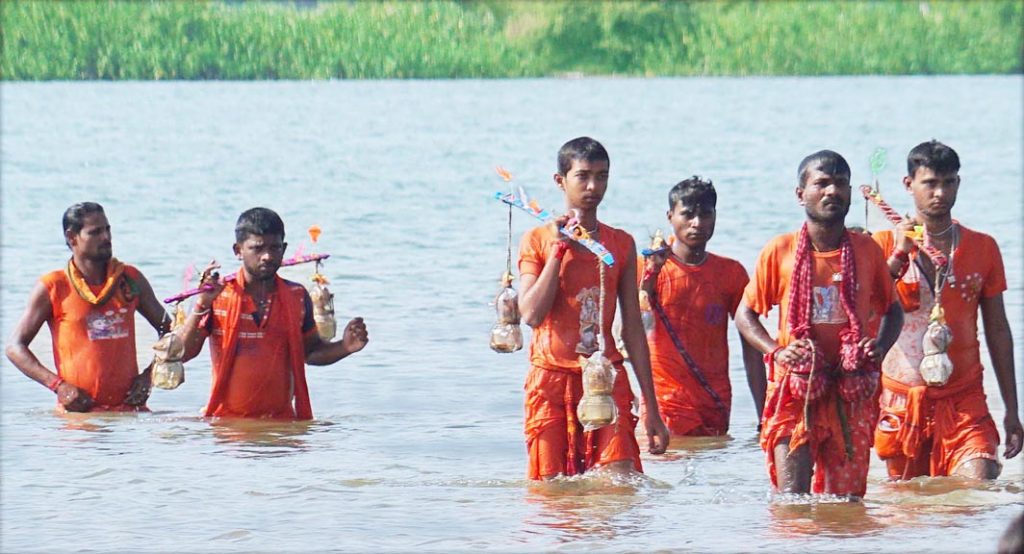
x: 840, y: 463
x: 555, y: 440
x: 933, y: 430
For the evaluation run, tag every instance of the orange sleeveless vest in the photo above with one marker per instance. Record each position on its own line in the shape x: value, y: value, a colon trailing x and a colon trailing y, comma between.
x: 94, y: 344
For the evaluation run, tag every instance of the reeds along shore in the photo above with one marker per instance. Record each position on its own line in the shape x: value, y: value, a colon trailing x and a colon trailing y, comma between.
x: 83, y: 39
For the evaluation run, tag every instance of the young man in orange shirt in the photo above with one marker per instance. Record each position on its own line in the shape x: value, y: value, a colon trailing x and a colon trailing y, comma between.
x: 693, y: 293
x: 834, y: 294
x: 90, y: 308
x: 945, y: 429
x: 561, y: 300
x: 263, y: 328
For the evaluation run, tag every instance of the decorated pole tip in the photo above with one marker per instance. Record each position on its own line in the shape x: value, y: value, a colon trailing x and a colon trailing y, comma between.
x: 314, y: 233
x: 503, y: 173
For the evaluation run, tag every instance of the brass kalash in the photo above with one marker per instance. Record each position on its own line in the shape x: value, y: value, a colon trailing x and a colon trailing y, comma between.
x: 168, y: 369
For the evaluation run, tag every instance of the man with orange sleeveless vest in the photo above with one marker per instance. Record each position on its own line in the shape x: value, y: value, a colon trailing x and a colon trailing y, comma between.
x: 90, y: 308
x: 692, y: 293
x: 834, y: 294
x: 939, y: 424
x: 264, y: 329
x: 562, y: 301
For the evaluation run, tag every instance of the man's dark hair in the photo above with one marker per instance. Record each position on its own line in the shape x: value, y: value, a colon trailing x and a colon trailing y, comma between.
x: 694, y: 191
x: 582, y: 148
x: 827, y: 161
x: 258, y: 221
x: 74, y: 217
x: 935, y: 156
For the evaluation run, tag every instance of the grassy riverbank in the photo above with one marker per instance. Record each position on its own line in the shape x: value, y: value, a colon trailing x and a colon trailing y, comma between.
x: 345, y: 39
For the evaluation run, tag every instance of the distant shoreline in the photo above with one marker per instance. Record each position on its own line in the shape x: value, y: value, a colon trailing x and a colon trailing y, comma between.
x: 237, y: 40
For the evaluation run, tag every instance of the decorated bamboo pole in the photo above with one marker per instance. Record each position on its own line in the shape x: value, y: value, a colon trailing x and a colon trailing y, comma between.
x: 938, y: 258
x: 294, y: 260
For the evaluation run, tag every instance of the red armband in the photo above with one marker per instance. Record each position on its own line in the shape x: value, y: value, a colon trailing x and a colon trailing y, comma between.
x: 55, y: 384
x: 769, y: 362
x: 904, y: 260
x: 561, y: 249
x: 649, y: 272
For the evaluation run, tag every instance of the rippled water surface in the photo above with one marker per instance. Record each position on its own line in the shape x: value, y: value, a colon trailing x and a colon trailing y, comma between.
x: 417, y: 442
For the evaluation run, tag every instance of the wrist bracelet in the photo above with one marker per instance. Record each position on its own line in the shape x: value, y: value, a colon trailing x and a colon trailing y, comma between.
x: 200, y: 313
x: 55, y: 384
x: 904, y: 265
x: 770, y: 357
x: 560, y: 251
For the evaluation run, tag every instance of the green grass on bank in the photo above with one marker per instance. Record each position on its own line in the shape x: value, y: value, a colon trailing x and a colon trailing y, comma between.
x: 87, y: 39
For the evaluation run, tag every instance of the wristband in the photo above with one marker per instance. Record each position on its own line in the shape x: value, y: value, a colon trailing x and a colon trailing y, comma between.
x: 55, y: 384
x: 561, y: 249
x: 770, y: 357
x: 200, y: 311
x: 904, y: 262
x: 650, y: 272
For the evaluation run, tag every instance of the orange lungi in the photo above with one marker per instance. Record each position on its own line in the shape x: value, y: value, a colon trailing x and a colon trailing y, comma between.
x: 555, y: 440
x: 841, y: 467
x: 933, y: 430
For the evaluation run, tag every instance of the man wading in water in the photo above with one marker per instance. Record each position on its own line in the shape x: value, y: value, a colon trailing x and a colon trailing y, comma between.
x: 90, y: 308
x: 693, y: 292
x: 945, y: 428
x: 264, y: 329
x: 834, y: 291
x: 561, y: 296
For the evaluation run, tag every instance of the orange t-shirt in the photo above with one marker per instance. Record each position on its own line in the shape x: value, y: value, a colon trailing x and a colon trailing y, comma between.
x: 94, y: 346
x: 698, y: 301
x: 571, y: 326
x: 261, y: 379
x: 773, y: 276
x: 977, y: 273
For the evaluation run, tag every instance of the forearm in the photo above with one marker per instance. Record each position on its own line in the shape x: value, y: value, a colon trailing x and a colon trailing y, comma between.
x: 191, y: 335
x: 536, y: 302
x: 757, y: 380
x: 749, y: 324
x: 1000, y: 348
x: 27, y: 362
x: 640, y: 359
x: 890, y: 328
x: 327, y: 353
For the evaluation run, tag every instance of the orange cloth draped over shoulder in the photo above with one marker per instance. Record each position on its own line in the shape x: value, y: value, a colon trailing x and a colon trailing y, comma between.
x: 931, y: 430
x: 555, y: 440
x: 259, y: 367
x: 93, y: 332
x: 698, y: 300
x: 835, y: 471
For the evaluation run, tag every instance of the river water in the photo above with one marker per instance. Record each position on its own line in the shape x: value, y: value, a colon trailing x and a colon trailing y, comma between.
x: 417, y: 442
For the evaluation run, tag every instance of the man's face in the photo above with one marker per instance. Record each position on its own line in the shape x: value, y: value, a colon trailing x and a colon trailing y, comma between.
x: 825, y: 197
x: 692, y: 224
x: 93, y: 241
x: 934, y: 193
x: 584, y: 184
x: 261, y: 255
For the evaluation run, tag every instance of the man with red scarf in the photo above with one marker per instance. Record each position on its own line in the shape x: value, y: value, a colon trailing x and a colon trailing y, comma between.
x: 263, y: 328
x: 90, y: 308
x: 837, y: 319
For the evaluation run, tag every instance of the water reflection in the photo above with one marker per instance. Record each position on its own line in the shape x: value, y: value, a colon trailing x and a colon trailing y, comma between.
x: 258, y: 438
x: 833, y: 516
x: 594, y: 506
x: 92, y: 422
